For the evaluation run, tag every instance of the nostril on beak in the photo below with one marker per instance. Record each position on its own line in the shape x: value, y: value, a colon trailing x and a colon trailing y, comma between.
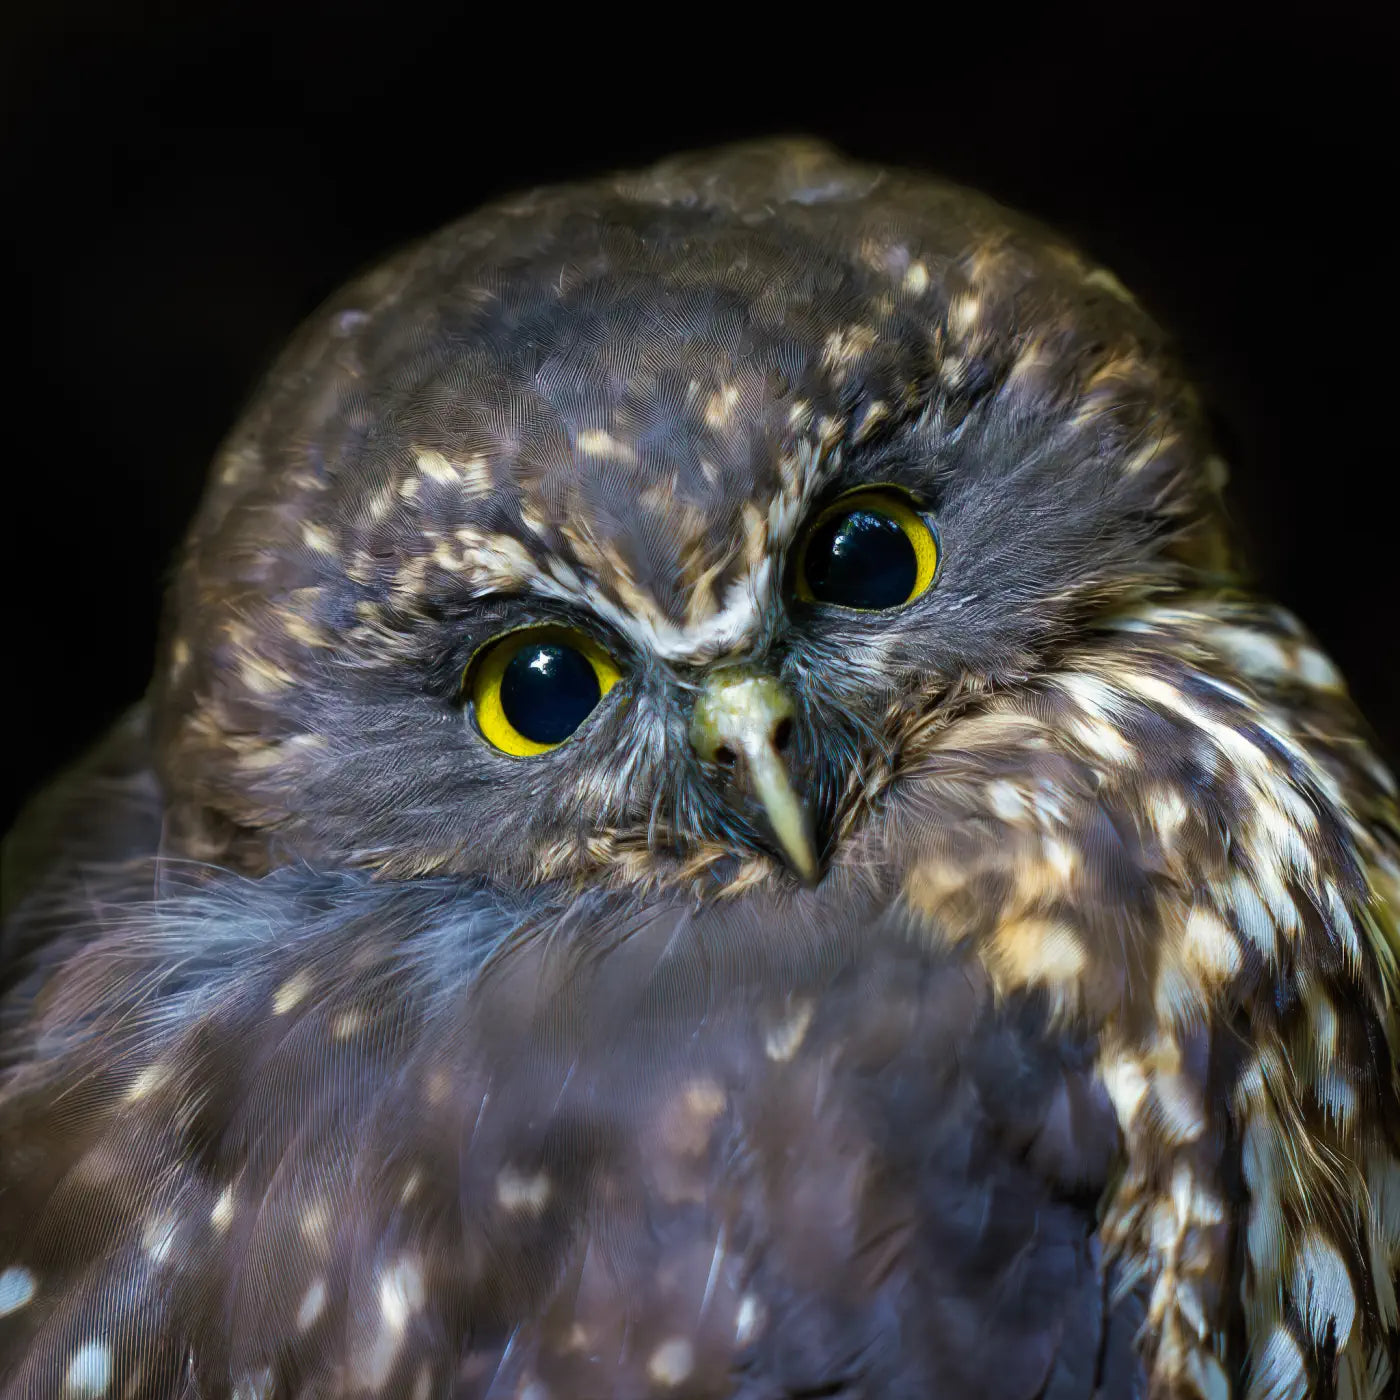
x: 743, y: 719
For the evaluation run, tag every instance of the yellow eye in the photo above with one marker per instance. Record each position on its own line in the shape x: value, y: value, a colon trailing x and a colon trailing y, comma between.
x: 532, y: 688
x: 870, y: 550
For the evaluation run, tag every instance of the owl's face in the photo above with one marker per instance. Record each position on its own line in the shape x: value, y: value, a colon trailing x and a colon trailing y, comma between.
x: 631, y: 528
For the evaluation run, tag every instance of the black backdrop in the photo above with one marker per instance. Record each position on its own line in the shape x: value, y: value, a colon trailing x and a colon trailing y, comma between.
x: 185, y: 182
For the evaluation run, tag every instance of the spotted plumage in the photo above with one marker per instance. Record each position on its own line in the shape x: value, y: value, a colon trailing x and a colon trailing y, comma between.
x: 1011, y: 1012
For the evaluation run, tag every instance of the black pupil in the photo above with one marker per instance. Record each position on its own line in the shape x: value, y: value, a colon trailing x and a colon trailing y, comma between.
x: 548, y: 690
x: 860, y: 559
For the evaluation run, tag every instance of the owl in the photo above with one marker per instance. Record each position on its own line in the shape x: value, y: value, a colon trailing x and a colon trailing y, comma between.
x: 714, y: 818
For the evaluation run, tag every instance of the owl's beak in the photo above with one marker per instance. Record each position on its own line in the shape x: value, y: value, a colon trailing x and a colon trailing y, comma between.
x: 741, y: 723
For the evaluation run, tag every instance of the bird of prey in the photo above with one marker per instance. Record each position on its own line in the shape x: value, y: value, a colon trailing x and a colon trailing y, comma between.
x: 715, y: 817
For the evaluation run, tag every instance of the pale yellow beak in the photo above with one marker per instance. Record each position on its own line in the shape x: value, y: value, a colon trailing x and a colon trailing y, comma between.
x: 741, y: 721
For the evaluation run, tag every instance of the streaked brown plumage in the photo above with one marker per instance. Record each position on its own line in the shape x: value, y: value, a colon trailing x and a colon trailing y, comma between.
x: 348, y: 1053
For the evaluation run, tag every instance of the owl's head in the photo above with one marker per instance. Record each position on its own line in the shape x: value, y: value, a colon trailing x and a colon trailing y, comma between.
x: 631, y: 528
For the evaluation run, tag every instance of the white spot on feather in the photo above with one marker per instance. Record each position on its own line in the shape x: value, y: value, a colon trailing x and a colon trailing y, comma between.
x: 671, y: 1363
x: 291, y: 992
x: 16, y: 1289
x: 1251, y: 916
x: 1254, y: 653
x: 316, y: 1223
x: 597, y: 442
x: 400, y: 1293
x: 1126, y: 1084
x: 783, y: 1040
x: 158, y: 1237
x: 748, y: 1320
x: 1006, y: 801
x: 346, y: 1024
x: 89, y: 1372
x: 517, y: 1192
x: 147, y: 1082
x: 221, y: 1217
x: 1210, y: 945
x: 315, y: 538
x: 1317, y: 671
x: 1280, y: 1372
x: 1322, y: 1289
x: 312, y: 1303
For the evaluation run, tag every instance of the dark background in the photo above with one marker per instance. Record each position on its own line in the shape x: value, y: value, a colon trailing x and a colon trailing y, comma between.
x: 184, y: 184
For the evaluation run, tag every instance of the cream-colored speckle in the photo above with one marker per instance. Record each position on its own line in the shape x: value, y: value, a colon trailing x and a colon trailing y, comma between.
x: 410, y: 1186
x: 300, y: 630
x: 847, y: 344
x: 720, y: 407
x: 1166, y: 810
x: 1337, y: 1097
x: 1194, y: 1205
x: 1209, y: 945
x: 1179, y: 1104
x: 597, y: 442
x: 158, y: 1237
x: 1325, y: 1025
x: 1178, y: 994
x: 1125, y: 1080
x: 687, y: 1124
x: 472, y: 474
x: 221, y: 1217
x: 517, y: 1192
x: 147, y: 1082
x: 1100, y: 739
x: 313, y: 1303
x: 748, y: 1321
x: 1031, y: 950
x: 291, y: 992
x: 916, y: 279
x: 704, y: 1098
x: 347, y: 1023
x: 1279, y: 1372
x: 89, y: 1372
x: 316, y: 1222
x: 1251, y: 916
x: 783, y: 1040
x: 1254, y: 653
x: 1062, y: 859
x: 423, y: 1382
x: 17, y: 1286
x: 1102, y: 277
x: 317, y: 538
x: 1007, y: 802
x: 1146, y: 454
x: 378, y: 505
x: 435, y: 466
x: 400, y: 1293
x: 261, y: 677
x: 671, y: 1363
x: 1314, y: 669
x: 963, y: 313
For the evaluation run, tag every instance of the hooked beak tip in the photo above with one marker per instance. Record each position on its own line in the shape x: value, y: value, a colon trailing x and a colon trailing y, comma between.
x: 746, y: 714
